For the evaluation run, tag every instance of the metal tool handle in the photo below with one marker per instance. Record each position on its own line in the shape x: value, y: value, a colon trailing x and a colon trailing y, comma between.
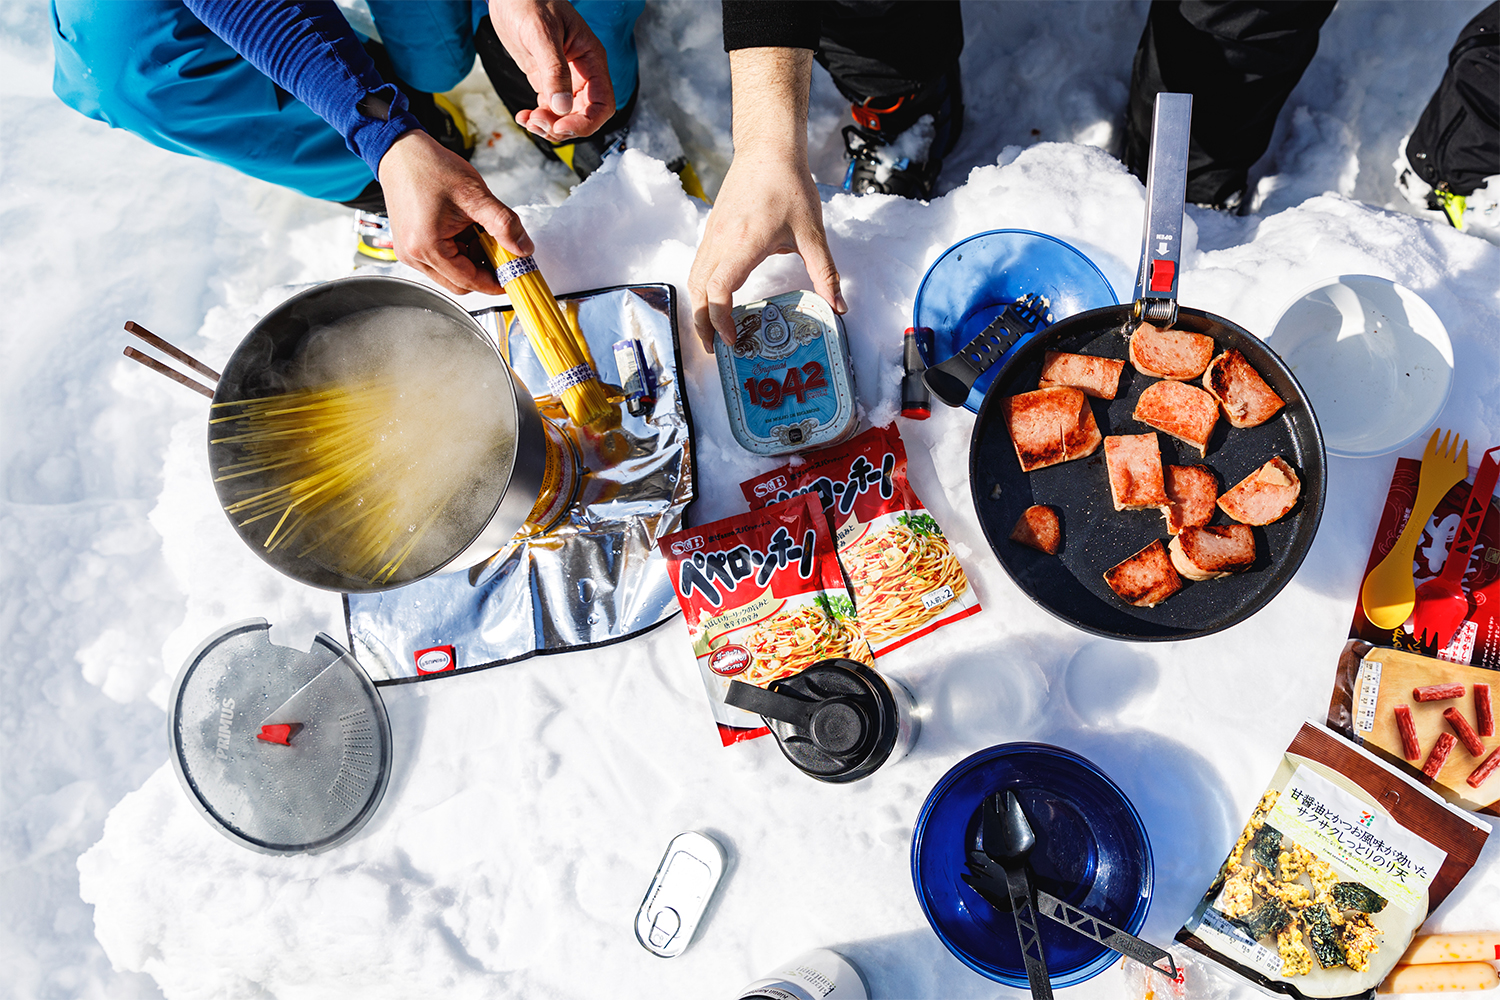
x: 1473, y: 517
x: 952, y: 380
x: 1166, y: 191
x: 1106, y: 934
x: 1019, y: 883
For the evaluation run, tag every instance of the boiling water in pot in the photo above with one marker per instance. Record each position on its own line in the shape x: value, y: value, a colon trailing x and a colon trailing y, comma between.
x: 379, y: 450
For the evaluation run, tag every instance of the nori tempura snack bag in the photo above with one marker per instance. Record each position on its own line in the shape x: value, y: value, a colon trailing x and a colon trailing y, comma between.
x: 1342, y: 860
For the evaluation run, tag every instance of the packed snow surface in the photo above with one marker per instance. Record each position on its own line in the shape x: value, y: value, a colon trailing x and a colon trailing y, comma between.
x: 530, y: 804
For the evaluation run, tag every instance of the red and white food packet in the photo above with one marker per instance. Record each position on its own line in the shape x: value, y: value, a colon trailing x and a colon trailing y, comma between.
x: 764, y: 598
x: 905, y: 578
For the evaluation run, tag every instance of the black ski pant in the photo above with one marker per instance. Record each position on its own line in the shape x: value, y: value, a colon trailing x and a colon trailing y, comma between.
x: 1456, y: 143
x: 1240, y: 60
x: 871, y: 48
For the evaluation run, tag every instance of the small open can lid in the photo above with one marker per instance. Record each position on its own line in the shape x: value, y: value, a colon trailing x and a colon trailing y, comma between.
x: 284, y: 752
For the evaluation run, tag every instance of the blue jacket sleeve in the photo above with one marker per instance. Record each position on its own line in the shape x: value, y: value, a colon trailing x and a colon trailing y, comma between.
x: 308, y: 48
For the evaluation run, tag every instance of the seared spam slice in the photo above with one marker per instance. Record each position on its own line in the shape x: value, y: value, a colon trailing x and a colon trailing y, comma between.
x: 1214, y: 551
x: 1174, y: 354
x: 1192, y: 491
x: 1097, y: 377
x: 1039, y: 527
x: 1263, y: 496
x: 1135, y: 476
x: 1049, y: 426
x: 1184, y: 411
x: 1234, y: 382
x: 1146, y: 578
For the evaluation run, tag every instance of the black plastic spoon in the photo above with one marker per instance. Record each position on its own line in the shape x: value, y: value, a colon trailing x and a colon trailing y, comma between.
x: 1007, y: 835
x: 1008, y: 840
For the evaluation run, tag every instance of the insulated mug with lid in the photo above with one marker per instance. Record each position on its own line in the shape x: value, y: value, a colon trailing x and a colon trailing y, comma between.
x: 838, y: 720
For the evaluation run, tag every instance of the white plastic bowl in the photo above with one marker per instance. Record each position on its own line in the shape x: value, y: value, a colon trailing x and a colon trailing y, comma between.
x: 1374, y: 359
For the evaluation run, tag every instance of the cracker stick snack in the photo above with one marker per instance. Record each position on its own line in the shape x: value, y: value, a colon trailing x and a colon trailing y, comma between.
x: 1342, y: 860
x: 906, y: 579
x: 764, y: 599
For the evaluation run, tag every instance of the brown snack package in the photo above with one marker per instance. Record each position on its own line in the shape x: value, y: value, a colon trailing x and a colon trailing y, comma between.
x: 1342, y: 860
x: 1372, y: 681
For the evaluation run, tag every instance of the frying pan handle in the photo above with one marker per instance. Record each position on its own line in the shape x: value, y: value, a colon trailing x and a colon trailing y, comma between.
x: 1166, y: 188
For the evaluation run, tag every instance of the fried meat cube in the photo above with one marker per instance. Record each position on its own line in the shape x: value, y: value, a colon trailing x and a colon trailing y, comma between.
x: 1097, y: 377
x: 1192, y: 492
x: 1234, y: 382
x: 1039, y: 527
x: 1049, y: 426
x: 1210, y: 552
x: 1135, y: 475
x: 1263, y: 496
x: 1146, y: 578
x: 1174, y: 354
x: 1184, y: 411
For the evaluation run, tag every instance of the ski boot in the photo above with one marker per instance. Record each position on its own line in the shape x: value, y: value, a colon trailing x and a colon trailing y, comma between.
x: 897, y: 144
x: 1423, y: 195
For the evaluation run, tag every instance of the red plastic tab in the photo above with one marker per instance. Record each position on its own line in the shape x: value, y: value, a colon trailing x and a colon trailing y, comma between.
x: 435, y: 659
x: 1161, y: 275
x: 276, y: 734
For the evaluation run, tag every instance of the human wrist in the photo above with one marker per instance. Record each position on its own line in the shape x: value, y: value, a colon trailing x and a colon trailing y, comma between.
x: 770, y: 95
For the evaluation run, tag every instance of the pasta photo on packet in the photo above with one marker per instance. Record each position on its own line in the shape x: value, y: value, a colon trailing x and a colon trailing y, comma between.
x: 763, y: 598
x: 903, y: 573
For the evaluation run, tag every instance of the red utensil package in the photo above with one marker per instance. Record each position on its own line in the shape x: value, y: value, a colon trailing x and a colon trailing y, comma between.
x: 905, y: 578
x: 764, y: 598
x: 1477, y: 639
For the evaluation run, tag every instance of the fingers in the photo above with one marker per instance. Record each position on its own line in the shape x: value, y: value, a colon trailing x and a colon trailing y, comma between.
x: 813, y: 248
x: 505, y: 225
x: 564, y: 63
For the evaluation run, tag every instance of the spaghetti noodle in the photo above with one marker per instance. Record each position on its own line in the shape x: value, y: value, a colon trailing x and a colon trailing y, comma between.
x: 332, y: 484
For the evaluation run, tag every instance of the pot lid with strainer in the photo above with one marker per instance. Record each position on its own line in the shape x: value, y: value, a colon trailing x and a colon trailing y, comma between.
x: 282, y: 751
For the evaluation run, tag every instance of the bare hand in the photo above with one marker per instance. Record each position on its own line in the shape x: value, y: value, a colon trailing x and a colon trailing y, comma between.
x: 764, y: 207
x: 431, y: 196
x: 563, y: 62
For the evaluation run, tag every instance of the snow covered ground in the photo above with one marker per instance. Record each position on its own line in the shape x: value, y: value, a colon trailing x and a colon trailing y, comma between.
x: 530, y: 804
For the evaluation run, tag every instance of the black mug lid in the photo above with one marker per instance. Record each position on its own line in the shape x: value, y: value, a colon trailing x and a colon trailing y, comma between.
x: 836, y: 720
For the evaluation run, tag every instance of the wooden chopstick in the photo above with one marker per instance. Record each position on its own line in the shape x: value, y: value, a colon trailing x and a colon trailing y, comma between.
x: 175, y: 376
x: 170, y: 351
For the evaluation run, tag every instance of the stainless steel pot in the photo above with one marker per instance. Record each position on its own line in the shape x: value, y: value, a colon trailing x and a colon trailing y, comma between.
x: 515, y: 468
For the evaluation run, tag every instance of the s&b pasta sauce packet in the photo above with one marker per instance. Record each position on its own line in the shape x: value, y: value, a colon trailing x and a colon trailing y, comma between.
x: 1341, y: 862
x: 764, y: 599
x: 905, y: 578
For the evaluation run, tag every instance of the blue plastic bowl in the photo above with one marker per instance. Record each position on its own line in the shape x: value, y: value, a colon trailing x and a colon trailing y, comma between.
x: 975, y: 279
x: 1091, y: 851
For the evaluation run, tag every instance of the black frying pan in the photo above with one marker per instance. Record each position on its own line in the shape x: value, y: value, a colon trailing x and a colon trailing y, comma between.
x: 1096, y: 536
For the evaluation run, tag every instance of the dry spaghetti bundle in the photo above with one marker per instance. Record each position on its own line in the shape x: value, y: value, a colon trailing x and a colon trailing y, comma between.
x: 329, y: 474
x: 571, y: 375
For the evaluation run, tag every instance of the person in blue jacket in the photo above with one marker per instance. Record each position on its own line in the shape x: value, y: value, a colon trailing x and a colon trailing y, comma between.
x: 287, y: 91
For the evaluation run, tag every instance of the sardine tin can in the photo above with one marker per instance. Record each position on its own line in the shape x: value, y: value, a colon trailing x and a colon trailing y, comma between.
x: 787, y: 380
